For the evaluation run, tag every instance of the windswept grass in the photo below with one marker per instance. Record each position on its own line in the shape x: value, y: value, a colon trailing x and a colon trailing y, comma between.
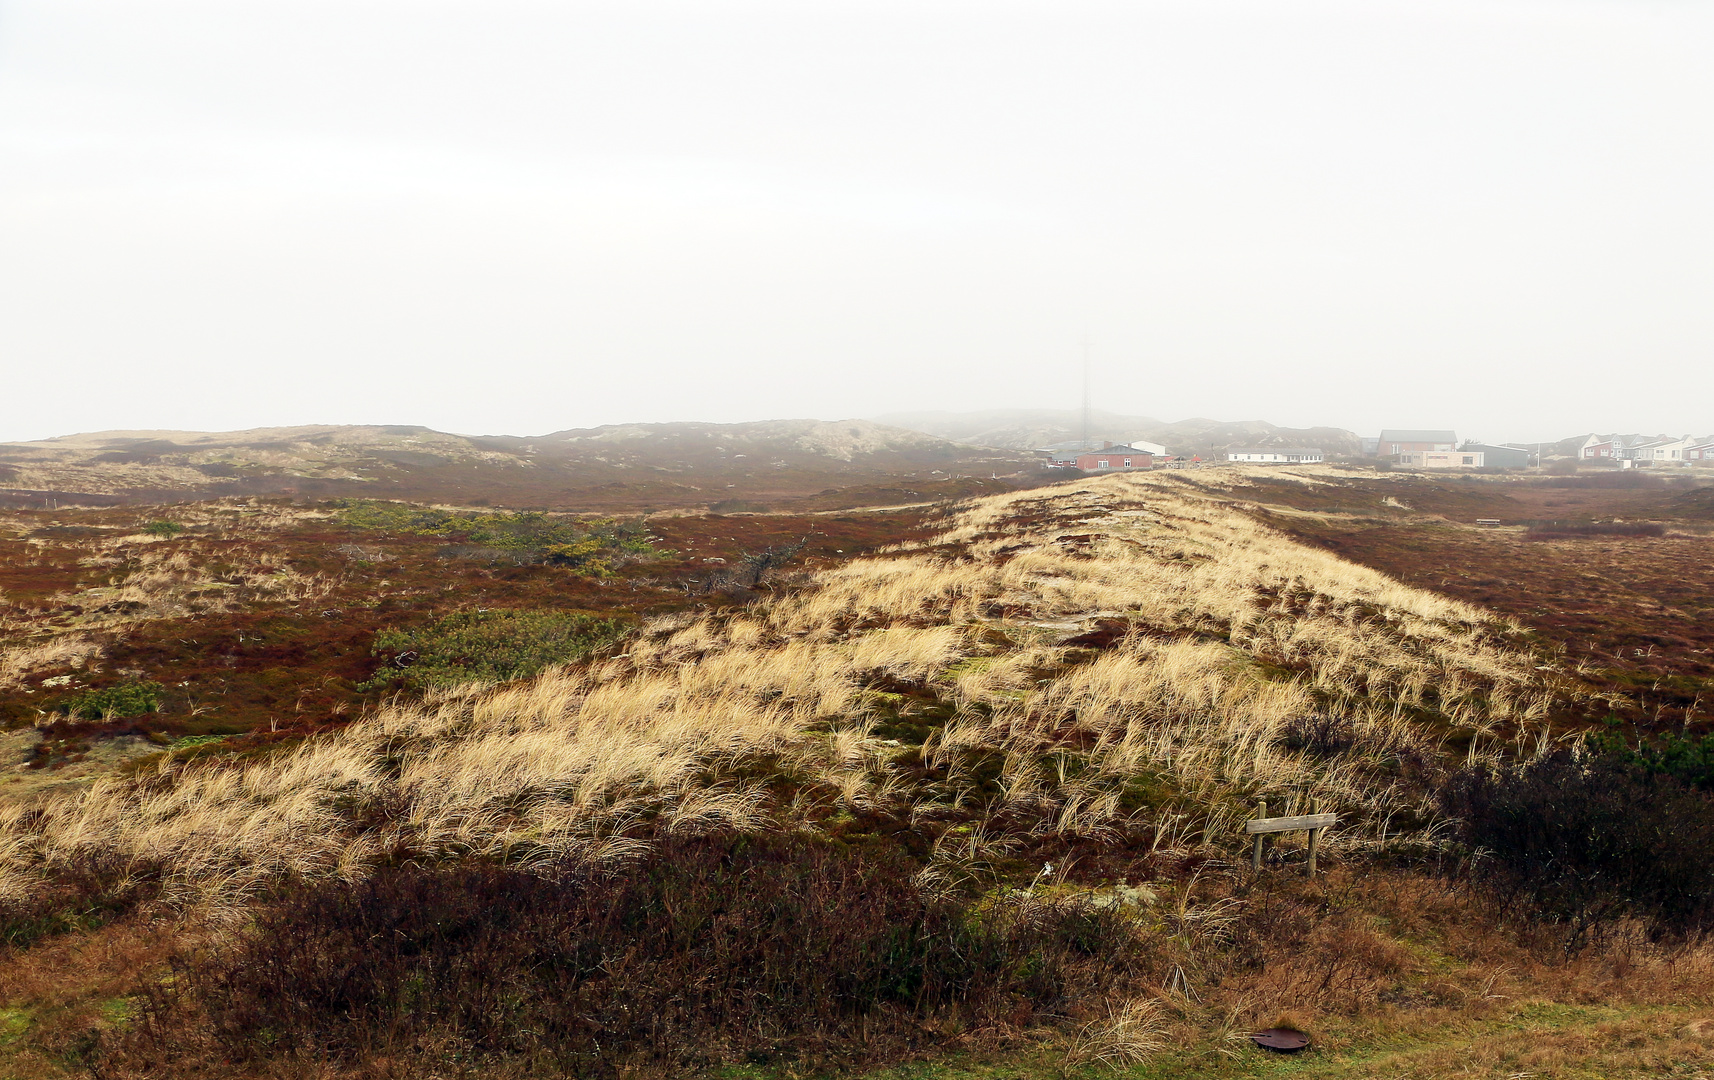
x: 979, y: 651
x: 984, y: 789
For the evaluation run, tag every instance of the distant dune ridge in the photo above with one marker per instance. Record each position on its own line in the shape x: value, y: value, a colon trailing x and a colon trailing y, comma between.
x: 842, y: 440
x: 1027, y: 429
x: 614, y: 467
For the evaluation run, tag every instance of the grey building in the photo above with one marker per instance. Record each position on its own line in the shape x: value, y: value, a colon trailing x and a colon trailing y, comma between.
x: 1501, y: 457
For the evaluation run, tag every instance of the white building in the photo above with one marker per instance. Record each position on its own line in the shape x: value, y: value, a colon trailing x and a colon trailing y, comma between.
x: 1665, y: 450
x: 1661, y: 448
x: 1279, y: 455
x: 1442, y: 459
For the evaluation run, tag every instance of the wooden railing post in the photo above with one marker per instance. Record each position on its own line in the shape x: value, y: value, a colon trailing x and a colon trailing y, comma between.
x: 1314, y: 840
x: 1256, y: 850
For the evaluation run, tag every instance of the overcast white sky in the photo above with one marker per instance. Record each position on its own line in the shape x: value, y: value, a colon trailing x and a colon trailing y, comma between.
x: 511, y: 216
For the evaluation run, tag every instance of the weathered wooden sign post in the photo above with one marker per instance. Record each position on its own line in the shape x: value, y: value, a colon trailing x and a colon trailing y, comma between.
x: 1263, y: 824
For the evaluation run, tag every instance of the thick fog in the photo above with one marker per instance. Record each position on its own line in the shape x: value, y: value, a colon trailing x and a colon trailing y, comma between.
x: 505, y: 216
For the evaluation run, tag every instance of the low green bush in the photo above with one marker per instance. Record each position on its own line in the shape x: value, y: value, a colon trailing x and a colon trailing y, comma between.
x: 487, y: 647
x: 163, y: 528
x: 116, y: 702
x: 1688, y: 758
x: 584, y: 556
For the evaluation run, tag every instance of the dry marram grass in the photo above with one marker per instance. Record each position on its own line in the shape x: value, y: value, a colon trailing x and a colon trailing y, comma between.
x: 1230, y: 632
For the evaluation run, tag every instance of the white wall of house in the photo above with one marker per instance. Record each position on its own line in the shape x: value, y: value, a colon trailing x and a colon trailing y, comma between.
x: 1666, y: 451
x: 1619, y: 447
x: 1441, y: 459
x: 1645, y: 448
x: 1276, y: 457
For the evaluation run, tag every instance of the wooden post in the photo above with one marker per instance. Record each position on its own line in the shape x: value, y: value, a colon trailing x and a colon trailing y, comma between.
x: 1314, y: 841
x: 1256, y: 851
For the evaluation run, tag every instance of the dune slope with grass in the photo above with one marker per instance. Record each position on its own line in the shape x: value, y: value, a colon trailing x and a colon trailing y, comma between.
x: 1127, y: 654
x: 982, y: 791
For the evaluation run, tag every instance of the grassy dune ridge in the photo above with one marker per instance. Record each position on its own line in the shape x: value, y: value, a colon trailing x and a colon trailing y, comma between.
x: 1135, y: 657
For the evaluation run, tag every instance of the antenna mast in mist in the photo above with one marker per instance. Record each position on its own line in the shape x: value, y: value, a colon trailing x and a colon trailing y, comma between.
x: 1084, y: 444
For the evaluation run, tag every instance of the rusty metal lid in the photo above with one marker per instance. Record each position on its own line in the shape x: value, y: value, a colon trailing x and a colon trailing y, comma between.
x: 1282, y: 1040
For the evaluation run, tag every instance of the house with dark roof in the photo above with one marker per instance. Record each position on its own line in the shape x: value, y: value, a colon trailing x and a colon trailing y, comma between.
x: 1066, y: 455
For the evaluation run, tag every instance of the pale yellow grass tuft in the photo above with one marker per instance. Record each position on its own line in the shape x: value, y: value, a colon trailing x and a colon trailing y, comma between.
x: 1130, y: 1034
x: 18, y: 662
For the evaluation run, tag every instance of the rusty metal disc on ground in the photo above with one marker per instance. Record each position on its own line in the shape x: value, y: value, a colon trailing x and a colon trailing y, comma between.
x: 1282, y: 1040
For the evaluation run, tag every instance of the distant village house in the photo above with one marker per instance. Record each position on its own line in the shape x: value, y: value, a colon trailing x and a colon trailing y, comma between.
x: 1634, y: 449
x: 1608, y: 447
x: 1441, y: 459
x: 1282, y: 455
x: 1396, y: 442
x: 1069, y: 455
x: 1665, y: 449
x: 1115, y: 457
x: 1500, y: 456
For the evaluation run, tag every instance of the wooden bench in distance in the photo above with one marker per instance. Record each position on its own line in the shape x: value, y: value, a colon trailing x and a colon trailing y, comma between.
x: 1263, y: 824
x: 1291, y: 824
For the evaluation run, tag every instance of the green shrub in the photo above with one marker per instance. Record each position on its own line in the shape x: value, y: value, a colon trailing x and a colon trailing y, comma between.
x: 583, y: 556
x: 1685, y: 757
x: 163, y: 528
x: 488, y: 646
x: 116, y: 702
x: 390, y: 516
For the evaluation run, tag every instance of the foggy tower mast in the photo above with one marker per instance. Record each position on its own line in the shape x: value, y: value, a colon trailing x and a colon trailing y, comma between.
x: 1084, y: 444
